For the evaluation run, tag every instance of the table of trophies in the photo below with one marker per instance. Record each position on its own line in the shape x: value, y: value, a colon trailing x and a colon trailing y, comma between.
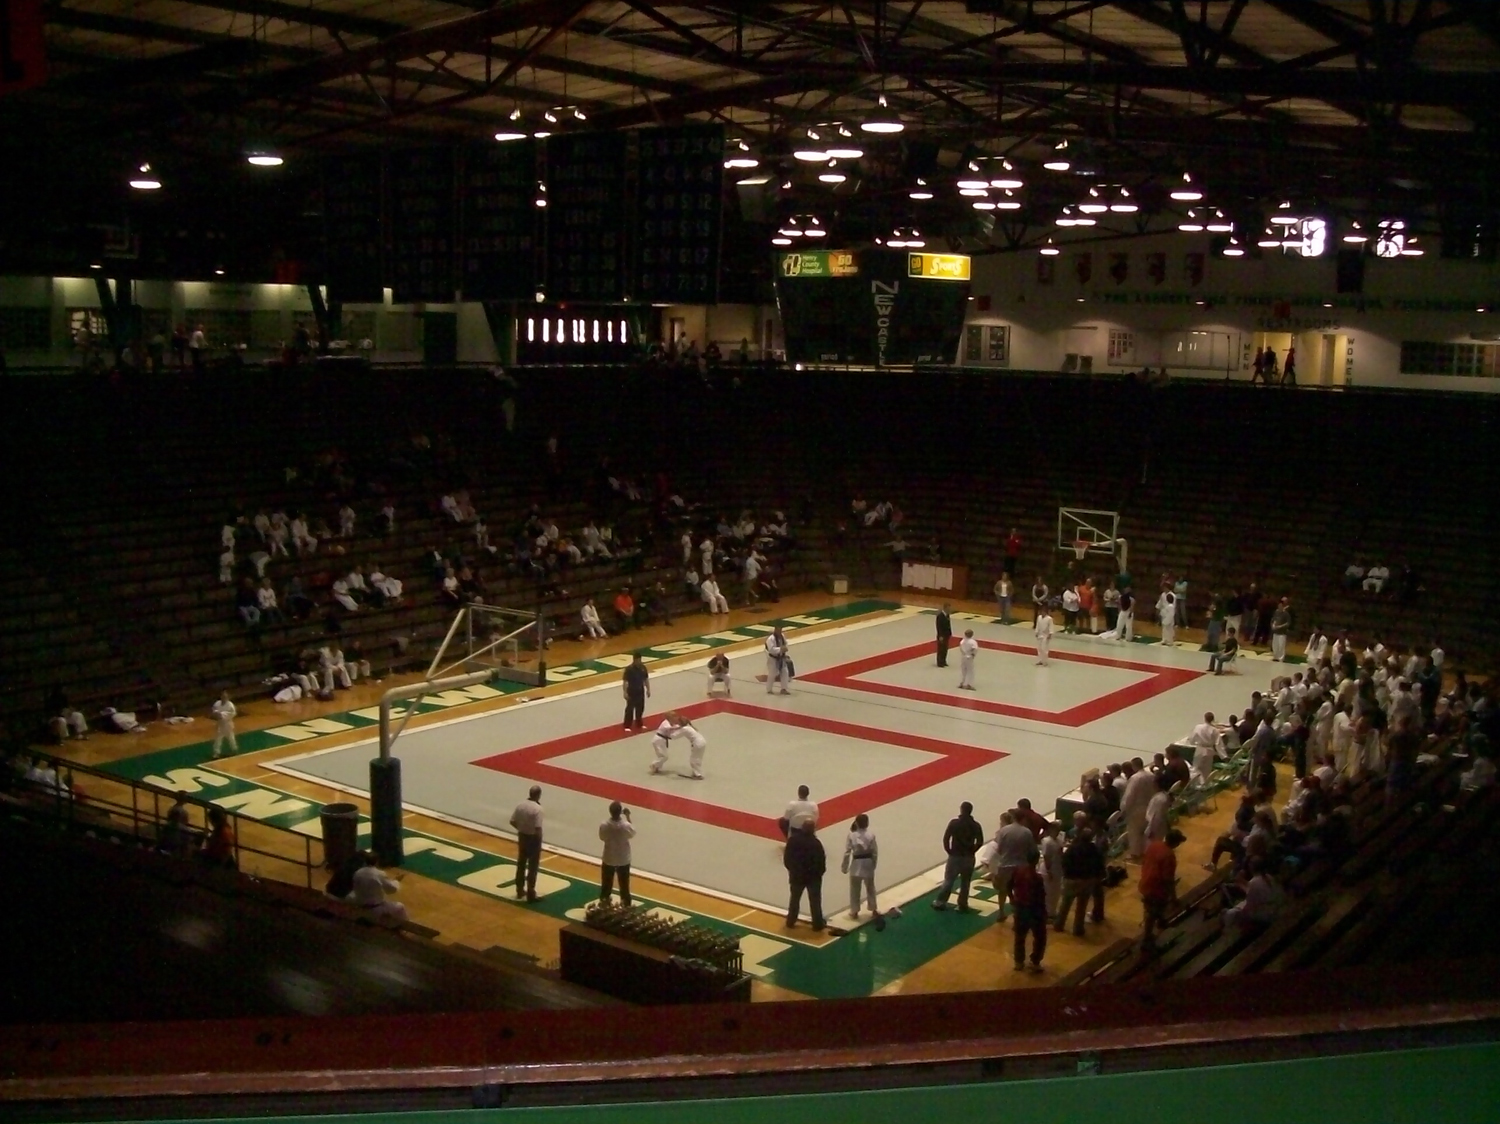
x: 641, y: 957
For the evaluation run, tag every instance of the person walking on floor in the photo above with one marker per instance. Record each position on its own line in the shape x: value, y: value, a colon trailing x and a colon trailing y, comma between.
x: 616, y: 833
x: 968, y: 648
x: 961, y: 841
x: 1028, y: 895
x: 636, y: 685
x: 861, y: 853
x: 527, y: 820
x: 944, y: 634
x: 1042, y: 630
x: 805, y: 862
x: 224, y: 713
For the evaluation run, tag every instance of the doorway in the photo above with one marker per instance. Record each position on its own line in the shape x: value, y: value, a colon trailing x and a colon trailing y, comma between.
x: 1330, y: 351
x: 1279, y: 343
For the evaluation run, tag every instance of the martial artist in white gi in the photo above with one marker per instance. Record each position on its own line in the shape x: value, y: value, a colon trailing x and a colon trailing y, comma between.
x: 224, y: 714
x: 708, y: 589
x: 671, y: 725
x: 589, y: 616
x: 697, y: 744
x: 1166, y: 612
x: 968, y: 648
x: 778, y: 663
x: 331, y: 660
x: 1135, y: 802
x: 1042, y: 630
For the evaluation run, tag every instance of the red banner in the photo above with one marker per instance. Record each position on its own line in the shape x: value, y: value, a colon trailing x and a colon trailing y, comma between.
x: 23, y: 50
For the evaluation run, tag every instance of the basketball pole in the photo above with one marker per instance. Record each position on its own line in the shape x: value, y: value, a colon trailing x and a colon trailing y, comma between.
x: 385, y: 770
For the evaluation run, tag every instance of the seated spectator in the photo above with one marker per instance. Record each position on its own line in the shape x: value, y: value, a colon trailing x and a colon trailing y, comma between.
x: 1479, y: 775
x: 262, y: 525
x: 335, y: 667
x: 1226, y: 655
x: 470, y: 587
x: 226, y: 567
x: 368, y: 890
x: 1263, y: 898
x: 1232, y: 842
x: 388, y: 518
x: 346, y: 522
x: 655, y: 604
x: 265, y: 598
x: 1354, y: 574
x: 176, y: 837
x: 218, y: 847
x: 344, y: 595
x: 302, y: 539
x: 448, y: 589
x: 1376, y: 577
x: 42, y: 776
x: 247, y: 604
x: 277, y: 536
x: 382, y: 585
x: 1176, y: 767
x: 708, y: 589
x: 482, y: 537
x: 588, y: 617
x: 298, y: 604
x: 624, y: 609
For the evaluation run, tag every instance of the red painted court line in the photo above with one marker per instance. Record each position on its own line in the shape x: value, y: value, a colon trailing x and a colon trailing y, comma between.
x: 1159, y: 680
x: 534, y: 763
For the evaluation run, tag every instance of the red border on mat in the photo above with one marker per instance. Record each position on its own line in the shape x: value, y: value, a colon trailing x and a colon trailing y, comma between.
x: 1158, y: 681
x: 534, y: 763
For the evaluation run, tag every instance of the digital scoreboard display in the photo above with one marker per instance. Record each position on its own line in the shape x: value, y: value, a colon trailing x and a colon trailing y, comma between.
x: 679, y: 208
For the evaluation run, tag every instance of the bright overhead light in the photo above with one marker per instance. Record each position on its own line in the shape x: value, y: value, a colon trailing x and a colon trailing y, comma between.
x: 780, y: 241
x: 742, y: 162
x: 1190, y: 225
x: 1411, y: 249
x: 1268, y: 239
x: 1187, y: 193
x: 815, y: 232
x: 790, y: 231
x: 972, y: 184
x: 265, y: 160
x: 515, y: 114
x: 845, y: 153
x: 1008, y: 205
x: 579, y: 115
x: 1049, y: 250
x: 1124, y: 207
x: 983, y: 205
x: 831, y: 177
x: 1094, y: 208
x: 754, y: 181
x: 145, y: 179
x: 1219, y: 224
x: 542, y: 134
x: 1057, y: 165
x: 919, y: 193
x: 1234, y: 250
x: 550, y: 116
x: 1356, y: 235
x: 1085, y: 222
x: 813, y: 134
x: 883, y: 121
x: 973, y: 192
x: 1285, y: 220
x: 812, y: 155
x: 1007, y: 183
x: 510, y: 136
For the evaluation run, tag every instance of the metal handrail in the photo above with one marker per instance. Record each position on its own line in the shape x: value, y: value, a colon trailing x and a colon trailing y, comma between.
x: 149, y: 815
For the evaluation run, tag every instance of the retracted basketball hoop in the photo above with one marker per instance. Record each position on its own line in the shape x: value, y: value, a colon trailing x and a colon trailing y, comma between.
x: 1080, y: 548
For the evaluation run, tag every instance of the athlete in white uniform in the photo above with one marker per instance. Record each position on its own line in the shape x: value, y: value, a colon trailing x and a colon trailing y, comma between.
x: 968, y: 648
x: 671, y: 724
x: 777, y: 669
x: 1043, y: 632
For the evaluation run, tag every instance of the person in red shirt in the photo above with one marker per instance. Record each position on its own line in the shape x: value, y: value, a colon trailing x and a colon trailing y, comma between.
x: 1028, y: 896
x: 1158, y: 883
x: 1012, y: 553
x: 1028, y: 818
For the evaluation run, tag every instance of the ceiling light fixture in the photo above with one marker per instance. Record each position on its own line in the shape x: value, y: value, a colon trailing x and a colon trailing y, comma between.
x: 1234, y: 249
x: 1268, y: 239
x: 1190, y: 225
x: 1093, y: 206
x: 1124, y: 205
x: 973, y: 184
x: 264, y: 160
x: 780, y: 241
x: 845, y: 152
x: 973, y: 191
x: 507, y: 135
x: 1219, y: 224
x: 1049, y: 250
x: 1187, y: 193
x: 742, y: 162
x: 983, y: 205
x: 811, y: 155
x: 753, y: 181
x: 145, y: 179
x: 884, y: 121
x: 831, y: 177
x: 1356, y: 235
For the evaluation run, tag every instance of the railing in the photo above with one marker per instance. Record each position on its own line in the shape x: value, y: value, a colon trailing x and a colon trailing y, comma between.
x: 103, y: 801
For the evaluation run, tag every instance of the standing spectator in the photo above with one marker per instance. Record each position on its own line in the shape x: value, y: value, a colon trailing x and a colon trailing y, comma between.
x: 1083, y: 867
x: 218, y: 847
x: 1158, y: 884
x: 1039, y: 595
x: 961, y: 841
x: 1166, y: 613
x: 616, y: 834
x: 1139, y: 790
x: 778, y: 661
x: 805, y: 862
x: 1281, y: 624
x: 636, y: 686
x: 861, y: 853
x: 1125, y: 622
x: 1070, y: 606
x: 1049, y: 847
x: 799, y: 812
x: 1028, y: 894
x: 1012, y: 553
x: 944, y: 634
x: 527, y: 820
x: 1180, y: 594
x: 1111, y: 608
x: 1015, y: 847
x: 369, y: 891
x: 1003, y: 592
x: 1159, y: 809
x: 198, y: 346
x: 224, y: 713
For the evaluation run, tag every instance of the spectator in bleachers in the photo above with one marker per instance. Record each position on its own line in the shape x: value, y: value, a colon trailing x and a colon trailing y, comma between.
x: 470, y: 586
x: 43, y: 777
x: 387, y: 589
x: 218, y: 847
x: 1262, y: 897
x: 655, y: 604
x: 708, y: 589
x: 388, y: 518
x: 302, y: 539
x: 588, y: 617
x: 278, y: 534
x: 346, y: 521
x: 298, y: 604
x: 334, y: 667
x: 448, y: 590
x: 247, y: 604
x: 624, y: 606
x: 226, y: 567
x: 369, y: 889
x: 1354, y: 574
x: 1376, y: 577
x: 344, y: 595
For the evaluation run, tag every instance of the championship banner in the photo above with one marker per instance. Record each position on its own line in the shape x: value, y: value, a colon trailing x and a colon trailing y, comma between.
x: 23, y: 52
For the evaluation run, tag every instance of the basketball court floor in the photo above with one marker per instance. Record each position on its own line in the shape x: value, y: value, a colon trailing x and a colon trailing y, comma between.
x: 871, y: 725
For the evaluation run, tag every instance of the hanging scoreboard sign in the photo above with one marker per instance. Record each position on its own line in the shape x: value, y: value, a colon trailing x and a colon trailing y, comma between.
x: 500, y: 222
x: 679, y: 215
x: 352, y: 242
x: 585, y: 217
x: 422, y: 244
x: 875, y: 308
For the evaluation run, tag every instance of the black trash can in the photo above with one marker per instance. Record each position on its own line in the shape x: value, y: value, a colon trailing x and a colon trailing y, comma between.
x: 340, y: 834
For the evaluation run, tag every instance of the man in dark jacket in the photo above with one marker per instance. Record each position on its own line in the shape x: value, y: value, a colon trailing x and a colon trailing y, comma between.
x: 962, y: 839
x: 944, y: 635
x: 805, y: 862
x: 1083, y: 867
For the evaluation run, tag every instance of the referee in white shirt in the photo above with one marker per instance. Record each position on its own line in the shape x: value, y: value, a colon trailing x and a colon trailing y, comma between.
x: 527, y: 820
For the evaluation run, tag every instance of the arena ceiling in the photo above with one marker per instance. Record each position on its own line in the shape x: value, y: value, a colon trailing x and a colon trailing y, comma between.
x: 1365, y: 107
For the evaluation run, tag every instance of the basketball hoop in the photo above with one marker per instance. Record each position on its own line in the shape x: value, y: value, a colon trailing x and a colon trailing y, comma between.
x: 1080, y: 548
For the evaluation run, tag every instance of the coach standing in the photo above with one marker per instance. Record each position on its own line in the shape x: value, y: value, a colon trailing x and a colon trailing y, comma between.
x: 637, y: 688
x: 944, y: 635
x: 527, y: 820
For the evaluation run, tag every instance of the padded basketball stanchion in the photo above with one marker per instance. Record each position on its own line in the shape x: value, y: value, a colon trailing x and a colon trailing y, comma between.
x: 385, y: 811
